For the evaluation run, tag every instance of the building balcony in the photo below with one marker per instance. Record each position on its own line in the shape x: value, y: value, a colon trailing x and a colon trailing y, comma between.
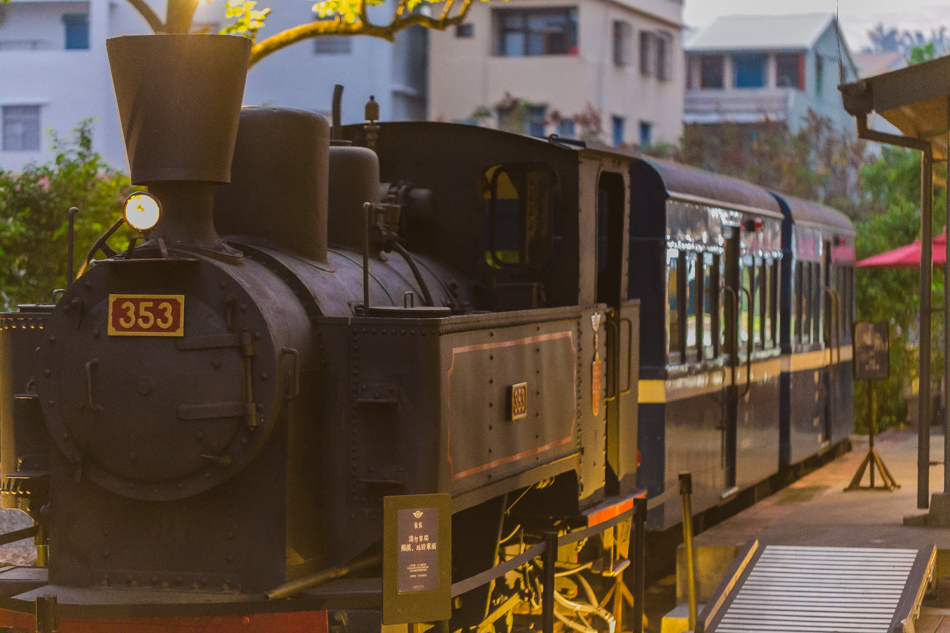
x: 739, y: 106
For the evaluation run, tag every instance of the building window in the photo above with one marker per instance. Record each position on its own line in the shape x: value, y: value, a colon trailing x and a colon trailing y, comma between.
x: 819, y: 75
x: 623, y: 43
x: 77, y: 31
x: 332, y: 45
x: 524, y: 119
x: 464, y: 30
x: 749, y: 70
x: 664, y: 45
x: 616, y: 125
x: 646, y: 133
x: 566, y: 129
x: 647, y: 60
x: 655, y: 54
x: 787, y: 70
x: 21, y: 128
x: 711, y: 71
x: 533, y: 32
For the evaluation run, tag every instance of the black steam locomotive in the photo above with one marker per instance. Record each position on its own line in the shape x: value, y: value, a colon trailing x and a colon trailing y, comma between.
x: 221, y: 409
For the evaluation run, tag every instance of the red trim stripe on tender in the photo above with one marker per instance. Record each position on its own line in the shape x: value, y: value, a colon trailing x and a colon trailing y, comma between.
x: 485, y: 346
x: 610, y: 512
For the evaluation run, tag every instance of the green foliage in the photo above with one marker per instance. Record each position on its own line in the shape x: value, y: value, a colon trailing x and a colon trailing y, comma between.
x: 348, y: 11
x: 892, y: 183
x: 247, y: 19
x: 819, y: 162
x: 34, y: 208
x: 922, y: 54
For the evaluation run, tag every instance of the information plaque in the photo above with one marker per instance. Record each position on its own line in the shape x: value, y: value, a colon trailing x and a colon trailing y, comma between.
x: 417, y: 558
x: 871, y: 352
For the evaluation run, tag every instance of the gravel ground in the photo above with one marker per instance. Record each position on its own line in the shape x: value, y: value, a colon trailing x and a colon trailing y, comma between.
x: 22, y: 552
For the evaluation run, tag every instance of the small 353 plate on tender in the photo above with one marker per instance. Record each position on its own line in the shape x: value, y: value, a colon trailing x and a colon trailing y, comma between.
x: 146, y: 315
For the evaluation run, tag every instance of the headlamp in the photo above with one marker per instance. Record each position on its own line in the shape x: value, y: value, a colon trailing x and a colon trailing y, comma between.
x: 142, y: 210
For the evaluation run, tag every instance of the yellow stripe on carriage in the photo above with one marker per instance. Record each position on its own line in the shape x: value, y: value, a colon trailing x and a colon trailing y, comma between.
x: 684, y: 387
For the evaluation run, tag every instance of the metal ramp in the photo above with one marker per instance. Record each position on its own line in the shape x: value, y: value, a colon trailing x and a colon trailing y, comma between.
x: 797, y: 589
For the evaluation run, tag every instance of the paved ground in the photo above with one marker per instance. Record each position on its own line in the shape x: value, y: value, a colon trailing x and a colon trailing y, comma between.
x: 21, y: 552
x: 817, y: 511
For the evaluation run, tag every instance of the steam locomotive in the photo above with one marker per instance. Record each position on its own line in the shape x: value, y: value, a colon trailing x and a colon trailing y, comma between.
x: 394, y: 309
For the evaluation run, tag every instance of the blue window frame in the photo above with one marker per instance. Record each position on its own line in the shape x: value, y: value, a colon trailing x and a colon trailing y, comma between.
x: 566, y: 129
x: 77, y: 31
x: 749, y: 70
x: 617, y: 125
x: 646, y: 133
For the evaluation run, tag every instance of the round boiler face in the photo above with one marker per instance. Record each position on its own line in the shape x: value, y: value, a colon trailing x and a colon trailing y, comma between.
x: 158, y: 378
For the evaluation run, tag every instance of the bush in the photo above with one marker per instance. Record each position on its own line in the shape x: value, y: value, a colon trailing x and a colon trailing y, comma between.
x: 34, y: 207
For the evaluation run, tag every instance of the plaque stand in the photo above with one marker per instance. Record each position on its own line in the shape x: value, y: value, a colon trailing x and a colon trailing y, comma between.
x: 872, y: 459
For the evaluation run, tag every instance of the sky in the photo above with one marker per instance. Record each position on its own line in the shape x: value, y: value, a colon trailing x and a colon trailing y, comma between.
x: 857, y: 16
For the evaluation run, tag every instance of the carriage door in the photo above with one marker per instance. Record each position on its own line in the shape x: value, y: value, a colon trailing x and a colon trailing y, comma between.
x: 622, y: 327
x: 831, y: 336
x: 732, y: 301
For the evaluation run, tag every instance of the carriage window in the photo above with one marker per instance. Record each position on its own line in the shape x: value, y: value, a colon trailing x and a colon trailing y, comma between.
x: 692, y: 309
x: 745, y: 307
x: 805, y: 323
x: 773, y: 293
x: 797, y: 308
x: 675, y: 291
x: 520, y: 204
x: 710, y: 313
x: 765, y: 286
x: 757, y: 298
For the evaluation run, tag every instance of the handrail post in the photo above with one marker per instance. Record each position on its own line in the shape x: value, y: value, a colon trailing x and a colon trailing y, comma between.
x: 547, y: 596
x: 686, y: 489
x: 639, y: 561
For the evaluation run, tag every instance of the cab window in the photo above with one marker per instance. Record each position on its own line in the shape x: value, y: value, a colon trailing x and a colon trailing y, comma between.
x: 520, y: 205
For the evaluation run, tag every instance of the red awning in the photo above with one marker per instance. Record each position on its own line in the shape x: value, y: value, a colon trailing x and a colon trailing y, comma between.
x: 908, y: 256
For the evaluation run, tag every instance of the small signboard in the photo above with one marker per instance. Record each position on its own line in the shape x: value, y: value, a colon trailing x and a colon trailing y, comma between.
x: 871, y: 352
x: 417, y: 558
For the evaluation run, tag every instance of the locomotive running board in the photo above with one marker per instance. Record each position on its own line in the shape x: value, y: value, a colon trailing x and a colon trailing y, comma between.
x: 842, y: 589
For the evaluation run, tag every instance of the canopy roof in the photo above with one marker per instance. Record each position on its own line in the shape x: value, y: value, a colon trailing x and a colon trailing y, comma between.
x: 908, y: 256
x: 915, y: 99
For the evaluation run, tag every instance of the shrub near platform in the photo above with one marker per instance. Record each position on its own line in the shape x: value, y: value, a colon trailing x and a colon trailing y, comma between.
x: 34, y: 205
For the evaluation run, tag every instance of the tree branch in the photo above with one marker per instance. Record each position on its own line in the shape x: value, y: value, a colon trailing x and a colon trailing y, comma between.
x: 179, y: 15
x: 337, y: 27
x: 154, y: 22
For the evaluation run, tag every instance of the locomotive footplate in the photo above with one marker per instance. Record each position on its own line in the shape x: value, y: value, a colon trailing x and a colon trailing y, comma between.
x: 113, y: 610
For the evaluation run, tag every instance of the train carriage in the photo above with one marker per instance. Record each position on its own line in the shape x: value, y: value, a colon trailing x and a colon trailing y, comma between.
x: 817, y: 312
x: 705, y: 253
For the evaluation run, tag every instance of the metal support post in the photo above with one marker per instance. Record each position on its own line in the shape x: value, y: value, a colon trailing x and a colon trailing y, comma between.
x: 639, y: 561
x: 924, y: 404
x: 70, y: 244
x: 46, y: 614
x: 686, y: 489
x: 924, y: 409
x: 547, y: 596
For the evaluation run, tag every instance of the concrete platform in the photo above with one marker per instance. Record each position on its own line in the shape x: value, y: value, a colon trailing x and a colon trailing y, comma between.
x: 816, y: 511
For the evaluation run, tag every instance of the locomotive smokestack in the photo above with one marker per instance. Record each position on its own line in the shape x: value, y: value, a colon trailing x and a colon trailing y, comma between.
x: 179, y: 99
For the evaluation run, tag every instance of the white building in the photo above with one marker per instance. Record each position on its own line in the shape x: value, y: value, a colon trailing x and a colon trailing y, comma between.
x: 620, y: 61
x: 748, y: 68
x: 54, y: 72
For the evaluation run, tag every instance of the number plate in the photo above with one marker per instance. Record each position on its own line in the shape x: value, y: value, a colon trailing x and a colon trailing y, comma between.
x: 146, y: 315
